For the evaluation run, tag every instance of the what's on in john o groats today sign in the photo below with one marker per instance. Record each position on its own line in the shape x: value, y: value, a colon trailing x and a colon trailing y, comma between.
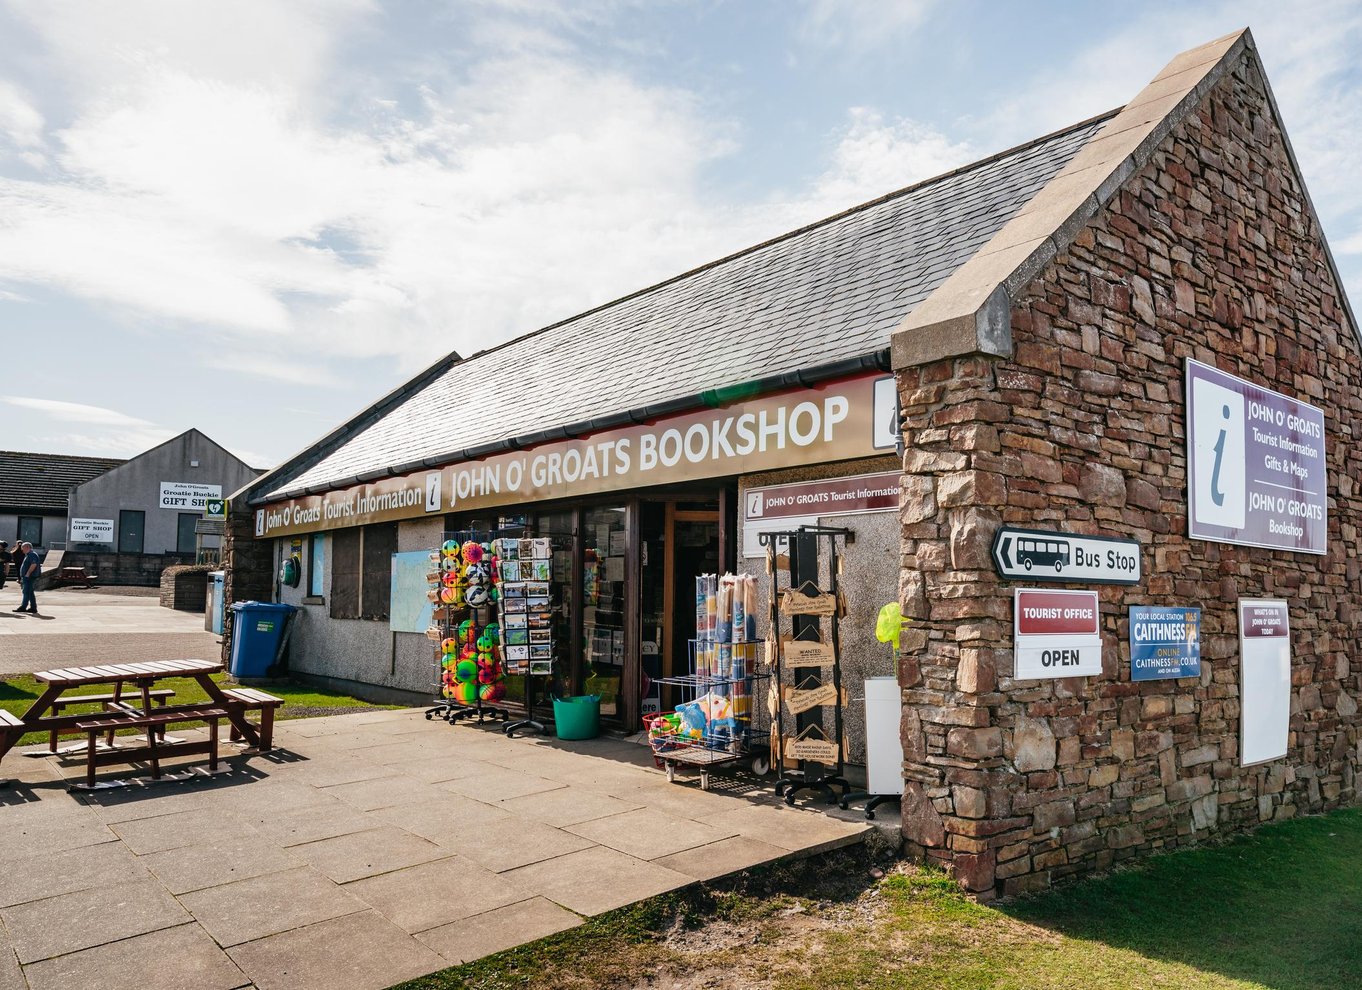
x: 1256, y: 471
x: 1165, y: 642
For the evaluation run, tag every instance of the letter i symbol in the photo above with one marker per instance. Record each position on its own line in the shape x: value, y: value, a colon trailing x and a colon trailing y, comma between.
x: 1217, y: 496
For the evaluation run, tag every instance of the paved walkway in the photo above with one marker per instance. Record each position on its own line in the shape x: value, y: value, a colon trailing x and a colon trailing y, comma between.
x: 77, y: 625
x: 369, y: 849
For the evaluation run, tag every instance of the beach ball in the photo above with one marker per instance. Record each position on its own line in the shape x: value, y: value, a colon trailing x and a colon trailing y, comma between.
x: 466, y: 670
x: 450, y: 548
x: 472, y: 552
x: 466, y: 693
x: 492, y: 692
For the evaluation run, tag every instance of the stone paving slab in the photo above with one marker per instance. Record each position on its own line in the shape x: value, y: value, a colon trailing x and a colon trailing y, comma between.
x: 11, y: 977
x: 502, y: 928
x: 71, y: 922
x: 171, y: 959
x: 596, y: 880
x: 448, y: 849
x: 358, y: 952
x: 367, y: 854
x: 267, y: 905
x: 434, y: 894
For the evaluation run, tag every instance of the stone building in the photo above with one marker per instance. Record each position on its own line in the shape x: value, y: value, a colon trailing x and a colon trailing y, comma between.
x: 1042, y: 385
x: 1039, y: 315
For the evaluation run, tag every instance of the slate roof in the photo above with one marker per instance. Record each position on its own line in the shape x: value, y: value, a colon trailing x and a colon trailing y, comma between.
x: 41, y: 483
x: 824, y: 294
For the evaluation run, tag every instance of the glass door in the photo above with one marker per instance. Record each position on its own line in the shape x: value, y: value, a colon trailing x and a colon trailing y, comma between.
x: 605, y: 543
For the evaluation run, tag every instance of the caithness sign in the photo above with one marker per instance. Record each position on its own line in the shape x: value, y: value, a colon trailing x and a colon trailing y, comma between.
x: 1256, y: 473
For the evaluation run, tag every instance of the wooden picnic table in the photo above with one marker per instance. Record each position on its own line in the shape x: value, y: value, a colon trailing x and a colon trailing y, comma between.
x: 140, y: 677
x: 77, y: 575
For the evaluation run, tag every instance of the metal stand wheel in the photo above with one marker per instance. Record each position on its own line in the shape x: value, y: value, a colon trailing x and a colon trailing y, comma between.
x: 873, y: 802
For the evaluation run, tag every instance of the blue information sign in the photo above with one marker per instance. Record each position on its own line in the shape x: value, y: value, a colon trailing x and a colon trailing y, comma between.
x: 1164, y: 642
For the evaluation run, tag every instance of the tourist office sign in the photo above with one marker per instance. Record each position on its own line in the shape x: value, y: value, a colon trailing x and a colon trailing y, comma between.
x: 1047, y: 555
x: 1256, y: 469
x: 1057, y: 634
x: 831, y: 421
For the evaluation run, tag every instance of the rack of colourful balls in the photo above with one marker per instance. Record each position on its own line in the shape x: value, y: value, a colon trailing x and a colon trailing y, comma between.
x: 471, y: 671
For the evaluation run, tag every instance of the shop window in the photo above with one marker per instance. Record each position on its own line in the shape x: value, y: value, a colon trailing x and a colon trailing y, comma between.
x: 604, y: 545
x: 361, y: 571
x: 31, y: 530
x: 316, y: 564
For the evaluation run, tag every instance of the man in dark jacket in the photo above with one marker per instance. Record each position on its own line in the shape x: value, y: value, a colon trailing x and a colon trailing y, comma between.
x: 5, y: 557
x: 30, y: 566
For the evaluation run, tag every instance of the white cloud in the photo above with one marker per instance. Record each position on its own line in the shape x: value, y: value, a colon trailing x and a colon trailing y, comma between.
x: 859, y: 24
x: 75, y: 412
x: 20, y: 120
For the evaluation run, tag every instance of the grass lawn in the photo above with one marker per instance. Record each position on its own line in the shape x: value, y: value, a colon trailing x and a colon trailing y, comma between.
x: 18, y: 691
x: 1279, y: 909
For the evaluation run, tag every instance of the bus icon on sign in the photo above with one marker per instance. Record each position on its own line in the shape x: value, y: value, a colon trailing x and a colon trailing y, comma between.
x: 1033, y: 553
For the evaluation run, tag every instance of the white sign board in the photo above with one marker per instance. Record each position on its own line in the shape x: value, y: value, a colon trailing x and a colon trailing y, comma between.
x: 783, y: 508
x: 91, y: 531
x: 187, y: 495
x: 1057, y: 634
x: 1264, y: 679
x: 1046, y: 555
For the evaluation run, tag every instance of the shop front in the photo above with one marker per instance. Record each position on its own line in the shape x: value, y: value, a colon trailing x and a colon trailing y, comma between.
x: 634, y: 517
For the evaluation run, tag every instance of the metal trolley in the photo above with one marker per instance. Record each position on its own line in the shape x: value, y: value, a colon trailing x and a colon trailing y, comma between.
x: 713, y: 723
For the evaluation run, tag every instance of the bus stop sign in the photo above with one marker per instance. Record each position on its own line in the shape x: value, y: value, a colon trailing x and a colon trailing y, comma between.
x: 1066, y: 558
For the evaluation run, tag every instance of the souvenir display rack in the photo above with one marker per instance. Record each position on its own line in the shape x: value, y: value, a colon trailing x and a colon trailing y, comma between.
x: 712, y: 725
x: 805, y: 603
x: 469, y: 675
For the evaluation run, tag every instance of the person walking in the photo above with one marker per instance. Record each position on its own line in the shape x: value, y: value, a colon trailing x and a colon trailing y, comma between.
x: 5, y: 557
x: 30, y: 566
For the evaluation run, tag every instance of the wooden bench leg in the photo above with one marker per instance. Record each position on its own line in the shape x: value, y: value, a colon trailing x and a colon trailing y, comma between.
x: 213, y: 746
x: 90, y: 761
x: 266, y: 728
x: 155, y: 756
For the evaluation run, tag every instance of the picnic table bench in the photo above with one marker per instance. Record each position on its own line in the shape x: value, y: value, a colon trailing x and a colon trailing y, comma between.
x: 77, y: 575
x: 155, y: 749
x: 130, y: 705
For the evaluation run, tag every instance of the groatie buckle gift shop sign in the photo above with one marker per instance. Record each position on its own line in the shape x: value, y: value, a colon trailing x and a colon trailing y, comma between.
x: 829, y: 422
x: 1256, y: 468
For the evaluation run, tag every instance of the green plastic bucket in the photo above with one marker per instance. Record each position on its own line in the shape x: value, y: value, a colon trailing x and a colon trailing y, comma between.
x: 577, y: 717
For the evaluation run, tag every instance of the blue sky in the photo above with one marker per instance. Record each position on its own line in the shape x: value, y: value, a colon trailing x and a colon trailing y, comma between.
x: 257, y: 217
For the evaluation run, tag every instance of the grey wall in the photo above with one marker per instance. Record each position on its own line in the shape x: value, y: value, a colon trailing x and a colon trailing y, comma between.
x: 365, y: 657
x: 54, y: 528
x: 136, y: 485
x: 869, y: 580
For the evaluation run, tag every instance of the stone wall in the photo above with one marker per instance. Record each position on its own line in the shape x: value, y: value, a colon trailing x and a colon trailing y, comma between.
x: 185, y: 588
x: 249, y: 566
x: 1211, y: 251
x: 138, y: 570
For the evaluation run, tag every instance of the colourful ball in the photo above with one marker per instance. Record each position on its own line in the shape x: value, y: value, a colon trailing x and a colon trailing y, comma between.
x: 466, y: 671
x: 472, y: 552
x: 492, y: 692
x: 468, y: 631
x: 449, y: 564
x: 466, y: 693
x: 489, y: 673
x: 477, y: 595
x: 450, y: 548
x: 449, y: 646
x: 451, y: 595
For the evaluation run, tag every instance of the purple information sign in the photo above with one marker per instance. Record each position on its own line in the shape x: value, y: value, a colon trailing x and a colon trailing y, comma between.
x: 1255, y: 465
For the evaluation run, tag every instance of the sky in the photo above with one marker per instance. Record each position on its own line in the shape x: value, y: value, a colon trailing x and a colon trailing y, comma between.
x: 257, y: 217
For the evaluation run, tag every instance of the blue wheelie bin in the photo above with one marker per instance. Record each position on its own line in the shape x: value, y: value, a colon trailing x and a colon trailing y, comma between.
x: 257, y: 631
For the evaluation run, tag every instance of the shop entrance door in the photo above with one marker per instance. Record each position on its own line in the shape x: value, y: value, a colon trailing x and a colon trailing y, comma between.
x: 680, y: 540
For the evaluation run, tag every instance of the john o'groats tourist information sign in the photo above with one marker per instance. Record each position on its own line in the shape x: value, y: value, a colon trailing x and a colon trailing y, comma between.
x: 1256, y: 470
